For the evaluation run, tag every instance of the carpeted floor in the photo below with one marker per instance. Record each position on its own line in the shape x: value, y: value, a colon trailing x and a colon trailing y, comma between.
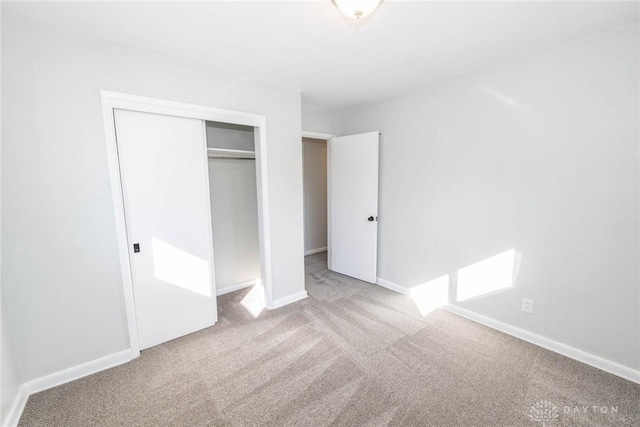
x: 352, y: 354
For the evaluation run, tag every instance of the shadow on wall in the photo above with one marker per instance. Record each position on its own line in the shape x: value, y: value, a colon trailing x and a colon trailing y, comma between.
x: 484, y: 278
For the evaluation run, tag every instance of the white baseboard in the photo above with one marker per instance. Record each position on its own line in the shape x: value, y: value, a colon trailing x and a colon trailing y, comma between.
x: 555, y: 346
x: 393, y: 286
x: 61, y: 377
x: 76, y: 372
x: 288, y: 300
x: 315, y: 251
x: 236, y: 287
x: 17, y: 407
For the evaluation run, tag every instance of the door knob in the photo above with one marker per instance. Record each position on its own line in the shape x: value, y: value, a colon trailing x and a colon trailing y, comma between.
x: 370, y: 218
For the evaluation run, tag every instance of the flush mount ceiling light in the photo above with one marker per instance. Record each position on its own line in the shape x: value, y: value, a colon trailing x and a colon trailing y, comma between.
x: 357, y: 8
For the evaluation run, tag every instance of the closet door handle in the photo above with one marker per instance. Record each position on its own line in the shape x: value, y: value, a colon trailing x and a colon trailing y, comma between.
x: 136, y: 247
x: 370, y: 218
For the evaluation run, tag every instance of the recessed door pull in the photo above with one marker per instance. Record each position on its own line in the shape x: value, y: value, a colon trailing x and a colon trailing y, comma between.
x: 136, y: 247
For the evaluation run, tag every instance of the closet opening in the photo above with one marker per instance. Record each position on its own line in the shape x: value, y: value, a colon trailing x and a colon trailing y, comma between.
x: 184, y: 178
x: 231, y: 164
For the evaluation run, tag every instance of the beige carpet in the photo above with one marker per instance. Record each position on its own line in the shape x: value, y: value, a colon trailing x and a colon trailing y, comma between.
x: 352, y: 354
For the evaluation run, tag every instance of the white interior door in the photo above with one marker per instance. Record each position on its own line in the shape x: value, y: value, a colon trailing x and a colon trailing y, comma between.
x: 163, y: 166
x: 353, y: 205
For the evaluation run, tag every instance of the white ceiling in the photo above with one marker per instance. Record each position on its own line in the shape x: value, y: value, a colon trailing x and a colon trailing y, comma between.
x: 309, y: 46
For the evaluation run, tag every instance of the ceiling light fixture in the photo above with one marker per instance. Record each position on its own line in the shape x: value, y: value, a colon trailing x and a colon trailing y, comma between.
x: 357, y: 8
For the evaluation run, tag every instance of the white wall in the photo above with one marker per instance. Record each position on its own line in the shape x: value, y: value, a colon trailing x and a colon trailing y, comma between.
x: 61, y: 269
x: 10, y: 372
x: 234, y: 216
x: 11, y: 378
x: 539, y: 155
x: 319, y: 119
x: 314, y: 159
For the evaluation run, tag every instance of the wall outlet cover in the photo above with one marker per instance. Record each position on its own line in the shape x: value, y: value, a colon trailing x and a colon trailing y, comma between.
x: 527, y: 305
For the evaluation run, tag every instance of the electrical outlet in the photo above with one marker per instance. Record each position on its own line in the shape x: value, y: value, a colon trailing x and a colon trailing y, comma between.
x: 527, y: 305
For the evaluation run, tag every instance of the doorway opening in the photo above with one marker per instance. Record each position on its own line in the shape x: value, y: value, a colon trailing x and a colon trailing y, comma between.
x: 341, y: 201
x: 315, y: 199
x: 314, y: 171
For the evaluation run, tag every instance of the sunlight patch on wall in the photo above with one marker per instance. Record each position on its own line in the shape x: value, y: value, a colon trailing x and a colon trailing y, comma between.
x: 254, y: 302
x: 180, y: 268
x: 431, y: 295
x: 487, y: 276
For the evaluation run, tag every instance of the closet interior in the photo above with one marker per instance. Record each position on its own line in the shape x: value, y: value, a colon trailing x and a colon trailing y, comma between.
x: 234, y: 205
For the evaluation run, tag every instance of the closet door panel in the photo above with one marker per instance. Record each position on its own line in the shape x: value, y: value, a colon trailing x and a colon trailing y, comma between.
x: 165, y: 186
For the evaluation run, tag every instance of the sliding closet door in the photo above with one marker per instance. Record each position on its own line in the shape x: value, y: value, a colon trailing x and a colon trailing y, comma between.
x: 166, y: 196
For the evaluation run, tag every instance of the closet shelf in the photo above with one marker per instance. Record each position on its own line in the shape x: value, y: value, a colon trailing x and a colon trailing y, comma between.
x: 229, y: 153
